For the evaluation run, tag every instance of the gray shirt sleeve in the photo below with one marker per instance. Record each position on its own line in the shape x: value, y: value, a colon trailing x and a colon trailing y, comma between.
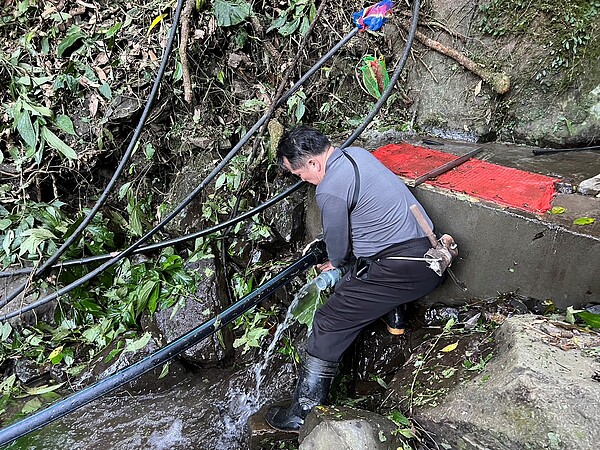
x: 336, y: 228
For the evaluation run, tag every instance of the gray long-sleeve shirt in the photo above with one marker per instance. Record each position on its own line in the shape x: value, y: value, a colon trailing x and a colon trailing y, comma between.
x: 381, y: 216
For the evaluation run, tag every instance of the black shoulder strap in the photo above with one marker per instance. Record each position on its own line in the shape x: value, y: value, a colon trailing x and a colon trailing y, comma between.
x: 356, y: 180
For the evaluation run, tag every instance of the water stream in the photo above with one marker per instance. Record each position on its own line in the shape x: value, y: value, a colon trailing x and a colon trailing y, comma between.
x: 205, y: 410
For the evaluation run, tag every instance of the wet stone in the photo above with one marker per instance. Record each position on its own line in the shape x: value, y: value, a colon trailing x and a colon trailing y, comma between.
x: 203, y: 305
x: 378, y: 353
x: 345, y: 428
x: 28, y: 371
x: 440, y: 314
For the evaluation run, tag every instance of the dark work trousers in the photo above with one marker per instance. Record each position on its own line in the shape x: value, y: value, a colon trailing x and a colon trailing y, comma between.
x: 373, y: 287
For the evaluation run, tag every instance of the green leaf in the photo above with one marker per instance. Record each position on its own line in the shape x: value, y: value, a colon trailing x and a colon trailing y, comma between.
x: 251, y: 338
x: 398, y: 418
x: 123, y: 190
x: 229, y: 13
x: 4, y: 224
x: 37, y: 109
x: 593, y: 320
x: 105, y: 91
x: 64, y: 123
x: 584, y: 221
x: 407, y: 433
x: 144, y: 293
x: 309, y: 301
x: 165, y: 370
x: 277, y: 23
x: 73, y: 35
x: 35, y: 237
x: 138, y: 344
x: 289, y: 27
x: 570, y: 314
x: 7, y: 385
x: 135, y: 221
x: 113, y: 30
x: 178, y: 72
x: 42, y: 389
x: 557, y: 210
x: 31, y: 406
x: 5, y: 330
x: 58, y: 144
x: 25, y: 129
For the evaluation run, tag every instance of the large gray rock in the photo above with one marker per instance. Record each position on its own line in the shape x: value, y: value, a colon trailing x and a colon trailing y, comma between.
x: 44, y: 313
x: 541, y: 391
x: 208, y: 301
x: 344, y: 428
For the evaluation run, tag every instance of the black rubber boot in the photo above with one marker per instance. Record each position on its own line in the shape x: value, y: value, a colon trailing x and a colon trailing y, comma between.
x: 312, y: 388
x: 395, y: 320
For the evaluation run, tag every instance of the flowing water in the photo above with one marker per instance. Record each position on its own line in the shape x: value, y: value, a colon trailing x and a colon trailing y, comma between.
x: 206, y: 410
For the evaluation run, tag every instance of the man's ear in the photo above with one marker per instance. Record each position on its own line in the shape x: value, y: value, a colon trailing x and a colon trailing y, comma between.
x: 313, y: 164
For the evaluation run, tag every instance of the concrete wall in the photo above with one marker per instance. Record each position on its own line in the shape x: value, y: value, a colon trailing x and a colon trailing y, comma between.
x: 506, y: 251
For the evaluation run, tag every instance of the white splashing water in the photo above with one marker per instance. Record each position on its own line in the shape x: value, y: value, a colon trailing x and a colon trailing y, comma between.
x: 242, y: 405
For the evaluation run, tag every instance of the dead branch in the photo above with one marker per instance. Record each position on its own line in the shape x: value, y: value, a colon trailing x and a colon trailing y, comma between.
x: 499, y: 81
x: 185, y: 33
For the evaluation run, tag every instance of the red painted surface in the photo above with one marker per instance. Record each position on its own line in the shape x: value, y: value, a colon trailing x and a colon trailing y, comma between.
x: 501, y: 185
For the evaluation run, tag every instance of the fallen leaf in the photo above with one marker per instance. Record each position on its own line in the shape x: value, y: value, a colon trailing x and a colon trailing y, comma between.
x: 584, y: 221
x: 449, y: 348
x: 478, y: 88
x: 156, y: 21
x: 93, y: 105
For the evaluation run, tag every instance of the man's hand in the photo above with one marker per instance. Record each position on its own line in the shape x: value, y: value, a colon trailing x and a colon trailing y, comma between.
x: 325, y: 266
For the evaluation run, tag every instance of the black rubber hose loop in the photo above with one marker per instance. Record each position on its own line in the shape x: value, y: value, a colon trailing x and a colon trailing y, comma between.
x: 130, y: 148
x: 169, y: 242
x: 185, y: 202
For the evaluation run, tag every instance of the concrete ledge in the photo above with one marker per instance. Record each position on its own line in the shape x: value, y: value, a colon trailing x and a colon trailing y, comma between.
x: 502, y: 250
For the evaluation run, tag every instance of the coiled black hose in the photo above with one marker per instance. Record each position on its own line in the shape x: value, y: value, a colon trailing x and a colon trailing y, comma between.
x: 187, y: 200
x: 103, y: 197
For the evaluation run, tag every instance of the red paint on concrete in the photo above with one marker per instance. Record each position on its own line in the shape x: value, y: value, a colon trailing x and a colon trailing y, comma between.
x: 504, y: 186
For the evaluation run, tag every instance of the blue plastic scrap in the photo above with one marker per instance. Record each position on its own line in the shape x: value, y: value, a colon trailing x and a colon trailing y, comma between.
x: 374, y: 16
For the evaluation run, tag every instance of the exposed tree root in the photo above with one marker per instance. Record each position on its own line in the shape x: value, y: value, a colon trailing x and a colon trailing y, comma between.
x: 499, y: 81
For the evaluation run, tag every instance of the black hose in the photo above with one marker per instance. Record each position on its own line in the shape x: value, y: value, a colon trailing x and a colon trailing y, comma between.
x: 544, y: 151
x: 316, y: 255
x: 169, y: 242
x: 102, y: 199
x: 384, y: 96
x: 186, y: 201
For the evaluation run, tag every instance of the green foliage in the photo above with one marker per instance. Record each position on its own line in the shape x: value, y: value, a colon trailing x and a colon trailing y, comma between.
x: 296, y: 105
x: 570, y: 31
x: 229, y: 13
x: 31, y: 231
x: 404, y: 426
x: 298, y: 15
x: 252, y: 325
x: 138, y: 210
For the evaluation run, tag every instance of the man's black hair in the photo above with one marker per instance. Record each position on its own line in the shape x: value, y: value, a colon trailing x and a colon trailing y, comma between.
x: 299, y: 144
